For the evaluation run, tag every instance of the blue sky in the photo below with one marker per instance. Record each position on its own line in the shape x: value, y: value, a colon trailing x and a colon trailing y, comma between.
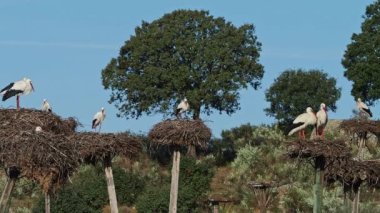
x: 63, y: 46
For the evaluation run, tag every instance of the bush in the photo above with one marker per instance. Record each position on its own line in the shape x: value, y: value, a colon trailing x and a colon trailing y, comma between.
x: 88, y: 192
x: 128, y: 186
x: 194, y: 182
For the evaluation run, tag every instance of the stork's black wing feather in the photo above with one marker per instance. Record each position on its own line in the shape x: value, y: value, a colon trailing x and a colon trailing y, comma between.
x: 368, y: 111
x: 10, y: 93
x: 7, y: 87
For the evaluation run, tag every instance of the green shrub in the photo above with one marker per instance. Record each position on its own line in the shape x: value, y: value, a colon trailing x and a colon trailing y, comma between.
x: 194, y: 182
x: 88, y: 192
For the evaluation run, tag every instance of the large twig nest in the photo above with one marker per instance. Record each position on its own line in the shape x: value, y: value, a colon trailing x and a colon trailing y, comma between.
x: 180, y: 133
x: 95, y: 147
x: 352, y: 172
x: 360, y: 126
x: 14, y: 121
x: 45, y: 157
x: 318, y: 148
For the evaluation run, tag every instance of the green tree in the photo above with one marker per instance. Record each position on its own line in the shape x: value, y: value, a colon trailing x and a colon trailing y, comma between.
x: 362, y: 57
x: 188, y: 54
x: 294, y: 90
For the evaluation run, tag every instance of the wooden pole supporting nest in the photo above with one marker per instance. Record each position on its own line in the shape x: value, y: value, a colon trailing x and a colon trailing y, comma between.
x: 110, y: 184
x: 47, y: 202
x: 319, y: 151
x: 174, y: 181
x: 12, y: 176
x: 176, y: 134
x: 319, y: 166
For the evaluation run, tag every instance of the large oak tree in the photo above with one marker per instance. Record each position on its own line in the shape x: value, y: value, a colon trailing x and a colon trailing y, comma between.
x: 184, y: 54
x: 362, y: 57
x: 294, y: 90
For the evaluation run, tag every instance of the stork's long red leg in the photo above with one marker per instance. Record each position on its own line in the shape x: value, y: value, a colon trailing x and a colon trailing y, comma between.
x: 18, y: 101
x: 100, y: 126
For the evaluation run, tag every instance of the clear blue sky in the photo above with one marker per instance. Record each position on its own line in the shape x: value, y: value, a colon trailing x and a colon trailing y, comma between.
x: 63, y: 46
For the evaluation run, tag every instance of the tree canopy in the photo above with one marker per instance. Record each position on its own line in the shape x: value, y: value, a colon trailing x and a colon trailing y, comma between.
x: 294, y: 90
x: 184, y: 54
x: 362, y: 57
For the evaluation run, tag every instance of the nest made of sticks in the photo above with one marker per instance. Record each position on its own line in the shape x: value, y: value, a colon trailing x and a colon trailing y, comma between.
x: 318, y: 148
x: 43, y: 156
x: 93, y: 147
x: 14, y: 121
x: 351, y: 172
x: 360, y: 126
x: 180, y: 133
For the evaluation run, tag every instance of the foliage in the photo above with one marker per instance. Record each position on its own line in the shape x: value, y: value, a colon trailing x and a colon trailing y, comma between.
x: 154, y: 199
x: 194, y: 181
x: 184, y: 54
x: 88, y: 191
x: 295, y: 90
x: 295, y: 199
x: 361, y: 58
x: 128, y: 186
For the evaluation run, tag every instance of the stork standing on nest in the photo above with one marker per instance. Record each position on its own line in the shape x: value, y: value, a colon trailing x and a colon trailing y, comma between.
x: 181, y: 108
x: 17, y: 88
x: 98, y: 119
x: 302, y: 121
x: 363, y: 108
x: 46, y: 106
x: 322, y: 119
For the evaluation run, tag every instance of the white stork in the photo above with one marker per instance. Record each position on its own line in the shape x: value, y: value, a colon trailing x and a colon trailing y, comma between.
x: 182, y: 107
x: 98, y: 119
x: 322, y: 120
x: 46, y: 106
x: 363, y: 108
x: 302, y: 121
x: 17, y: 88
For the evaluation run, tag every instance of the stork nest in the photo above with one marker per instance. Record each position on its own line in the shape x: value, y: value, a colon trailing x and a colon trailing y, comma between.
x: 351, y: 172
x: 44, y: 157
x: 13, y: 121
x: 180, y: 133
x: 51, y: 155
x: 361, y: 126
x: 50, y: 159
x: 318, y: 148
x: 93, y: 147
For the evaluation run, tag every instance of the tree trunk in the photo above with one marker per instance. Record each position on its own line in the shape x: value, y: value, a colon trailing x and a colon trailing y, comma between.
x: 110, y: 185
x: 319, y: 167
x: 47, y: 202
x: 174, y: 183
x: 191, y: 151
x: 7, y: 193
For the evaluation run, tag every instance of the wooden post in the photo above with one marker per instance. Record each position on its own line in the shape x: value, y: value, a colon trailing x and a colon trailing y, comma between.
x: 356, y: 201
x: 7, y: 193
x: 47, y: 202
x: 110, y: 185
x: 319, y: 168
x: 346, y: 192
x: 215, y: 208
x: 174, y: 183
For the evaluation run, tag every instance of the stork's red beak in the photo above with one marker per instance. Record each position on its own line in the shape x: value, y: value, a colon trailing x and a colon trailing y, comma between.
x: 32, y: 86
